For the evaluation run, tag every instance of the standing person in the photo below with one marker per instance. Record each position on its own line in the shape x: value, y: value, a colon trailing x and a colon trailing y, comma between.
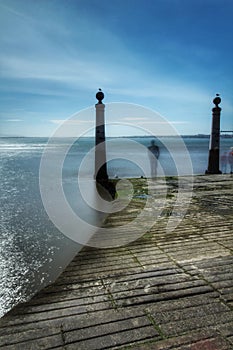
x: 230, y: 160
x: 224, y: 159
x: 154, y: 153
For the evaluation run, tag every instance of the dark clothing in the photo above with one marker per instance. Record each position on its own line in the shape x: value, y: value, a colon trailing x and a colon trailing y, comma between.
x: 230, y: 160
x: 153, y: 156
x: 154, y: 149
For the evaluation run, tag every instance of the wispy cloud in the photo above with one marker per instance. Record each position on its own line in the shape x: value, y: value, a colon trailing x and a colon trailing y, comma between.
x: 172, y: 89
x: 70, y: 121
x: 51, y: 53
x: 135, y: 119
x: 177, y: 122
x: 13, y: 120
x: 13, y: 11
x: 52, y: 57
x: 48, y: 70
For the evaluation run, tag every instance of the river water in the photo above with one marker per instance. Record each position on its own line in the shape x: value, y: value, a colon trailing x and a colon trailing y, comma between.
x: 33, y: 252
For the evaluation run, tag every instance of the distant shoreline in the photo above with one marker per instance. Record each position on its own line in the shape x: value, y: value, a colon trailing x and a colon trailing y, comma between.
x: 199, y: 136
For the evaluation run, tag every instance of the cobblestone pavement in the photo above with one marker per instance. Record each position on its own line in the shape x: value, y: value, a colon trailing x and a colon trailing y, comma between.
x: 164, y: 291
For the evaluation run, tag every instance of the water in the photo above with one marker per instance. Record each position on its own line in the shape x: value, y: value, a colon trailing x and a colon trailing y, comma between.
x: 33, y: 251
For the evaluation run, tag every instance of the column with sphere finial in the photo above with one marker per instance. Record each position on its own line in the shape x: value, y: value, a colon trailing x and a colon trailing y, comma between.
x: 213, y: 162
x: 100, y: 149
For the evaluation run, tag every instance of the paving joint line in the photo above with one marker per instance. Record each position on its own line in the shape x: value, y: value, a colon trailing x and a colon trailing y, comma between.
x: 221, y: 299
x: 177, y: 336
x: 63, y: 337
x: 202, y: 235
x: 221, y: 244
x: 109, y: 295
x: 200, y: 276
x: 224, y: 337
x: 135, y: 258
x: 155, y: 325
x: 174, y: 260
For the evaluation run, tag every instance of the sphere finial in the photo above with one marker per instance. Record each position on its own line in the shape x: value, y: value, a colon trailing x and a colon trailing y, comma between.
x: 217, y: 100
x: 100, y: 96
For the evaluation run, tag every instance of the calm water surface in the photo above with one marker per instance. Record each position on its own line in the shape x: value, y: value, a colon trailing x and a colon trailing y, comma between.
x: 32, y: 250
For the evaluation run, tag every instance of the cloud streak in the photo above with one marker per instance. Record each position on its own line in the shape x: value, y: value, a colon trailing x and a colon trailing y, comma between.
x: 53, y: 60
x: 70, y: 121
x: 82, y: 68
x: 13, y: 120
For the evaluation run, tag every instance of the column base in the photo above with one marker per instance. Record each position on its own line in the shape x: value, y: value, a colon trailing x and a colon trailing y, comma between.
x: 106, y: 189
x: 209, y: 172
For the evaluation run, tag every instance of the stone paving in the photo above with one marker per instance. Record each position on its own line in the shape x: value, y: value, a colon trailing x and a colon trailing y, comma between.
x: 167, y: 290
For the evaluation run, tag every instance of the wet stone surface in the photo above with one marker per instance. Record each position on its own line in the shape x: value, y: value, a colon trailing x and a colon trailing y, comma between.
x: 167, y: 290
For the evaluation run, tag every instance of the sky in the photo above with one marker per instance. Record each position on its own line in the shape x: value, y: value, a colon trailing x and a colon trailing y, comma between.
x: 171, y: 56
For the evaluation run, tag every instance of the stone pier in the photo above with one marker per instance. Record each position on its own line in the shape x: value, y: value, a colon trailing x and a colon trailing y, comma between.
x: 163, y: 291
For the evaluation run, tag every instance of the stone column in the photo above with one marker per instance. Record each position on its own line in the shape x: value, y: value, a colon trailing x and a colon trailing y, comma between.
x: 100, y: 150
x: 213, y: 162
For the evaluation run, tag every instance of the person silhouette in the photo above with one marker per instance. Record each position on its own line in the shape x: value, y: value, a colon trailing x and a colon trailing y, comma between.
x: 153, y: 152
x: 224, y: 162
x: 230, y: 160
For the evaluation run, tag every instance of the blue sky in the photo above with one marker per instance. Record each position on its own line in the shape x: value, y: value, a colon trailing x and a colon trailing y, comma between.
x: 168, y: 55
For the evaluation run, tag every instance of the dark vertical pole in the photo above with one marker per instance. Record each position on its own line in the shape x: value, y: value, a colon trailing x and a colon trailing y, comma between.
x: 101, y: 174
x: 213, y: 162
x: 100, y: 150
